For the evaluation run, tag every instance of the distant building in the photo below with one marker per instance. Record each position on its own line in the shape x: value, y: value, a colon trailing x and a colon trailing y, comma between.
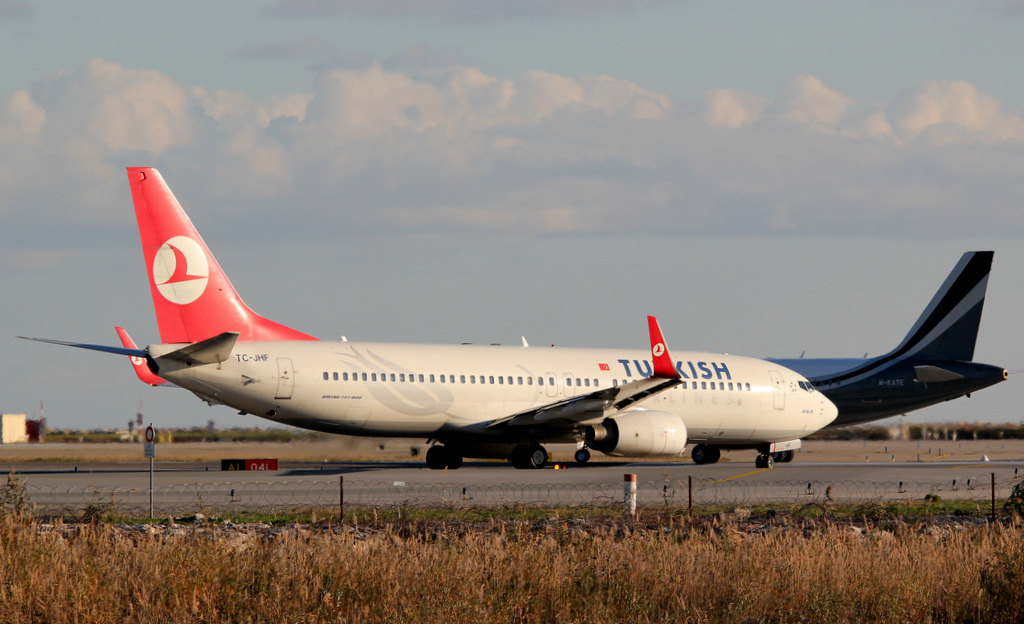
x: 12, y: 429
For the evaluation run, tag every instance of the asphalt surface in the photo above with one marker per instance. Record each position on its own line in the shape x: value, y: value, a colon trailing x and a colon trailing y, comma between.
x: 180, y: 487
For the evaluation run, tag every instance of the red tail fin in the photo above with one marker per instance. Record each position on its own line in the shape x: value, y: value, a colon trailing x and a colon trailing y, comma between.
x: 192, y: 297
x: 663, y: 366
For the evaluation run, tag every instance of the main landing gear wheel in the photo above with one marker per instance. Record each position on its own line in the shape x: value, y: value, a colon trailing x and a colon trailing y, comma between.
x: 529, y: 456
x: 441, y: 457
x: 582, y: 456
x: 764, y: 461
x: 783, y: 457
x: 706, y: 454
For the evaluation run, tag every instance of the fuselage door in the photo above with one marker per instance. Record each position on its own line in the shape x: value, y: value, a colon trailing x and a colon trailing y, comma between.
x: 550, y: 379
x: 285, y: 378
x: 780, y: 389
x: 569, y: 388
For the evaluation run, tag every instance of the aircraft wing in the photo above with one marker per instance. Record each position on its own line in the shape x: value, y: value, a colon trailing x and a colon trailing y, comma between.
x: 601, y: 403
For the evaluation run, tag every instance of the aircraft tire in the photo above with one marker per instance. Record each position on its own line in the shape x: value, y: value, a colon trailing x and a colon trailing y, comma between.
x: 706, y: 454
x: 699, y: 454
x: 437, y: 458
x: 538, y: 456
x: 582, y: 456
x: 519, y: 457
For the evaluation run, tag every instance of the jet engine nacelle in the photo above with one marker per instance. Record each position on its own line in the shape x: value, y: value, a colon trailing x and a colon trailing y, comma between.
x: 638, y: 433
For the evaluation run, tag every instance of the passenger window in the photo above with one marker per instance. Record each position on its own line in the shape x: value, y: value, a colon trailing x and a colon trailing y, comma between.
x: 373, y: 376
x: 540, y: 381
x: 364, y: 376
x: 400, y: 377
x: 529, y: 381
x: 462, y: 379
x: 747, y: 387
x: 703, y: 385
x: 501, y: 380
x: 431, y: 377
x: 551, y: 381
x: 490, y: 379
x: 730, y: 385
x: 325, y: 376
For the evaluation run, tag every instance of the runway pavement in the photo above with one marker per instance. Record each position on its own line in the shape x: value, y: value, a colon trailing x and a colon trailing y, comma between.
x: 183, y: 487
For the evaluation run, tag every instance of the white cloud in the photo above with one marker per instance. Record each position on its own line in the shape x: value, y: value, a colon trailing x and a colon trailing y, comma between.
x: 108, y: 106
x: 805, y: 100
x: 945, y: 112
x: 730, y: 108
x: 22, y: 119
x: 453, y: 148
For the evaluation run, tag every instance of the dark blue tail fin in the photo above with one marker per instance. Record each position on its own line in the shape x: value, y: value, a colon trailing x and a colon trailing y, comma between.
x: 948, y: 327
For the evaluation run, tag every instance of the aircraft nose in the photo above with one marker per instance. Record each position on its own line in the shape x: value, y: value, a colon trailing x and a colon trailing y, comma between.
x: 828, y: 411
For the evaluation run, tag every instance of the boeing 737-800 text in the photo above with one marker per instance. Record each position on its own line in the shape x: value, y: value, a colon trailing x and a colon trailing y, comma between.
x: 472, y: 401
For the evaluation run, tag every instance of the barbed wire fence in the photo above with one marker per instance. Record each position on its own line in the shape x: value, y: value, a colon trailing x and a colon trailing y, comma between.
x: 282, y: 496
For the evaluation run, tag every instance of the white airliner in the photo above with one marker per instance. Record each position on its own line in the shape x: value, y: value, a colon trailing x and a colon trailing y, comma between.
x: 473, y: 401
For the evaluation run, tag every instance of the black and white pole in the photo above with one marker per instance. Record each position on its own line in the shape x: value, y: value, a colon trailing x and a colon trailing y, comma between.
x: 150, y: 452
x: 629, y: 495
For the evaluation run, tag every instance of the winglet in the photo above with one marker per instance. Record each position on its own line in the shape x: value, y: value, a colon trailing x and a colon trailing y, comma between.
x: 663, y: 366
x: 139, y: 364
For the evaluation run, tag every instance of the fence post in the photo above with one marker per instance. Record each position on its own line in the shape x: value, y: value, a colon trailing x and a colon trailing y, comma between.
x: 689, y: 488
x: 993, y: 497
x: 341, y: 500
x: 629, y: 494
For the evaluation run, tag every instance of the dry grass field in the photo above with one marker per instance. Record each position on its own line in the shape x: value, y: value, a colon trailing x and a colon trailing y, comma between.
x: 654, y: 569
x: 512, y: 565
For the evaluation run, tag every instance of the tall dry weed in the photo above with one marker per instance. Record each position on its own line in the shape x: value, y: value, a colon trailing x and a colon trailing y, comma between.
x: 565, y: 571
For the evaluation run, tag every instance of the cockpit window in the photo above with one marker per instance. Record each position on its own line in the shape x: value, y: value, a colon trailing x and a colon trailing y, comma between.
x: 806, y: 385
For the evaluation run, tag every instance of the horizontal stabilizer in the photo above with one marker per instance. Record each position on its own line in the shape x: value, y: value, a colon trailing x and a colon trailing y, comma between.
x: 935, y: 374
x: 93, y: 347
x: 210, y: 351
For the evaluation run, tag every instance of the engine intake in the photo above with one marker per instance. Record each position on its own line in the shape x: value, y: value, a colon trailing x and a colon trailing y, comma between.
x: 638, y: 433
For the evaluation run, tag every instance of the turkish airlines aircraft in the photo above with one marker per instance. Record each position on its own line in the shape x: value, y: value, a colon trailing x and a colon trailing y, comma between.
x: 474, y: 401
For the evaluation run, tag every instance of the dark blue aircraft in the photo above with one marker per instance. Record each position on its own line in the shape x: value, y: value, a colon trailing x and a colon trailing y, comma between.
x: 934, y: 363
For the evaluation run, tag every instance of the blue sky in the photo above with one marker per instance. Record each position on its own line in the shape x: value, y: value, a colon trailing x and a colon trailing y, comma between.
x: 768, y: 178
